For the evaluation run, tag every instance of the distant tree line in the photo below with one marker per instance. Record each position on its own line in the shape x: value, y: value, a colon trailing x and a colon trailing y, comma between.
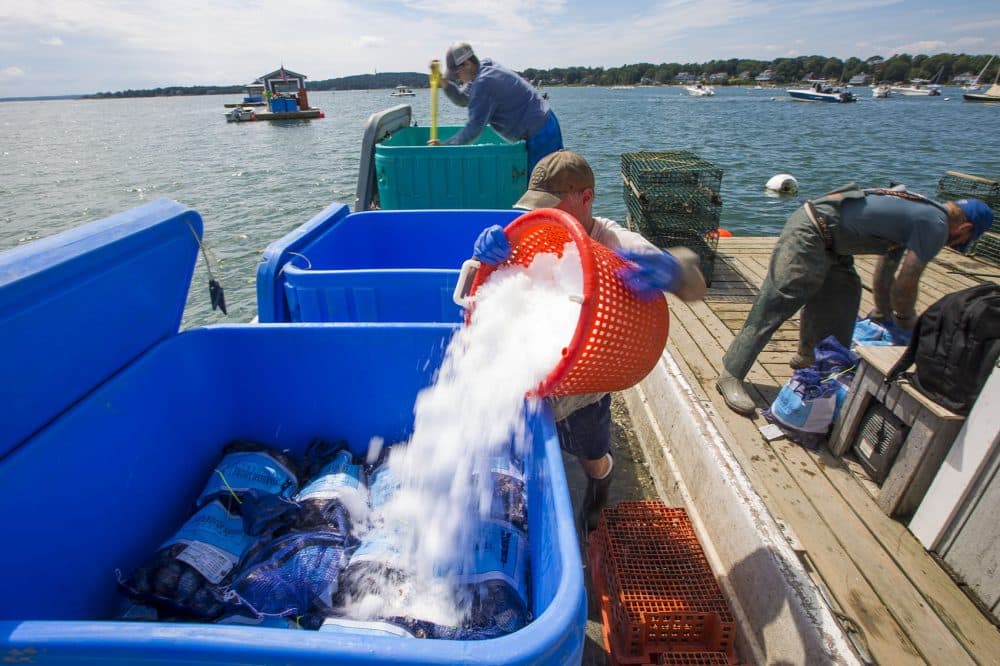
x: 357, y: 82
x: 900, y: 67
x: 377, y: 81
x: 170, y: 91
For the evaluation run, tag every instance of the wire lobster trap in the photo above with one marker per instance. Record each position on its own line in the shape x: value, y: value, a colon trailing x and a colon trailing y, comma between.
x: 954, y: 185
x: 673, y: 199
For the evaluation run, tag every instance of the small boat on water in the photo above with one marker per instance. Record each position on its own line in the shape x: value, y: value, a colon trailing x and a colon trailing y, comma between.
x: 991, y: 95
x: 882, y: 91
x: 916, y: 90
x: 921, y: 87
x: 976, y: 85
x: 820, y: 93
x: 700, y: 90
x: 241, y: 114
x: 402, y: 91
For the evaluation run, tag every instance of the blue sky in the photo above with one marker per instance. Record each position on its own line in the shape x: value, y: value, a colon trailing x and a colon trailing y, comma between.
x: 80, y: 46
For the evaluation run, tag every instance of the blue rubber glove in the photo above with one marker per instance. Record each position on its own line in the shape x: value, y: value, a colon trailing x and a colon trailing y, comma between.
x: 492, y: 246
x: 651, y: 273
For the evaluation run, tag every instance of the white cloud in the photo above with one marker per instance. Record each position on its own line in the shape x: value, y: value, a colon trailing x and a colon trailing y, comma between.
x: 11, y: 73
x: 927, y: 46
x: 858, y: 6
x: 368, y: 41
x: 965, y: 43
x: 983, y: 25
x: 117, y: 44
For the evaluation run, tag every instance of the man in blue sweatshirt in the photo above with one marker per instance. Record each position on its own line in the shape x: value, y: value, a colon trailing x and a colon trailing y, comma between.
x: 501, y: 98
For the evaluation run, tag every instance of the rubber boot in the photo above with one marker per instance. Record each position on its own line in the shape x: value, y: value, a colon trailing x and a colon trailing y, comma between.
x: 801, y: 360
x: 595, y: 498
x: 734, y: 394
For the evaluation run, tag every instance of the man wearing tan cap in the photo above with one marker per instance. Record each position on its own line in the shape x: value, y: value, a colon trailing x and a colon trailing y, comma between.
x: 502, y: 99
x: 564, y: 180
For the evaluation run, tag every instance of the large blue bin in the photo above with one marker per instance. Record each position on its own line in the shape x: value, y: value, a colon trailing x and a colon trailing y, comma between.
x: 374, y: 266
x: 100, y: 476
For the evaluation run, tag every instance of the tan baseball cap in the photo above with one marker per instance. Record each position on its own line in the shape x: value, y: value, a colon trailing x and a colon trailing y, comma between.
x: 556, y: 175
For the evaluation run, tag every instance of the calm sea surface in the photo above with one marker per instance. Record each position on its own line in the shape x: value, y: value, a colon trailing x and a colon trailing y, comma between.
x: 64, y: 163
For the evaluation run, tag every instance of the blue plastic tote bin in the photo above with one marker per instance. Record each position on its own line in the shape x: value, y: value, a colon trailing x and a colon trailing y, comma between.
x: 491, y: 172
x: 113, y: 419
x: 375, y: 266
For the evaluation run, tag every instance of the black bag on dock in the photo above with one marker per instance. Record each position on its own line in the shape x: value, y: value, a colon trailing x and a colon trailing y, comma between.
x: 955, y: 345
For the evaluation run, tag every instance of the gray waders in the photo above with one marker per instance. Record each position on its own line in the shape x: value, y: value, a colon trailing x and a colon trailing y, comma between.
x: 804, y: 273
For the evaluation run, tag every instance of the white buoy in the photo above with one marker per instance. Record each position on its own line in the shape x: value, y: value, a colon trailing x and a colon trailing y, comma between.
x: 783, y: 183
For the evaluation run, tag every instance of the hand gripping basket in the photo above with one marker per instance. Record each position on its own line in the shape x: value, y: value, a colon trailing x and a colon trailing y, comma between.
x: 618, y: 338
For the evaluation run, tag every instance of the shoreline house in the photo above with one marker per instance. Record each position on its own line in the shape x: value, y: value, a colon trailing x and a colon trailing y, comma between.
x: 767, y: 76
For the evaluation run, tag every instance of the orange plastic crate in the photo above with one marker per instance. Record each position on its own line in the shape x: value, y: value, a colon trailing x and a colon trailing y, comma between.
x: 659, y: 593
x: 694, y: 658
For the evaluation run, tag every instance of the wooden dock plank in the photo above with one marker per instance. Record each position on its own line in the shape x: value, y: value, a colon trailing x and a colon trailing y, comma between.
x: 887, y: 639
x: 875, y: 570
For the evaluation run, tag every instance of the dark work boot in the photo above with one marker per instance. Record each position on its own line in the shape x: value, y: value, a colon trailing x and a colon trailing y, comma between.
x: 595, y: 498
x: 801, y: 360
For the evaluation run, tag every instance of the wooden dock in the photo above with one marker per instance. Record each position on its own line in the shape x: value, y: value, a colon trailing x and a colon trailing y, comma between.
x: 898, y: 603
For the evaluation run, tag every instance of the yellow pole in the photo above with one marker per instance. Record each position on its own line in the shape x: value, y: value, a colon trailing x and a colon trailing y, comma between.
x: 435, y: 82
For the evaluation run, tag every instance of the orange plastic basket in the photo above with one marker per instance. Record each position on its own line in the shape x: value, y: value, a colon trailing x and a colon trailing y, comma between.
x: 618, y: 338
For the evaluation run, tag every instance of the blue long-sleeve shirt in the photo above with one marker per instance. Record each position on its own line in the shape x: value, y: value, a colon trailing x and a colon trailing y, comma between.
x: 501, y: 98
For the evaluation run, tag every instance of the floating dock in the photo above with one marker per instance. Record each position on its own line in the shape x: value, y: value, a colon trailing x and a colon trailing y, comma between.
x: 304, y: 114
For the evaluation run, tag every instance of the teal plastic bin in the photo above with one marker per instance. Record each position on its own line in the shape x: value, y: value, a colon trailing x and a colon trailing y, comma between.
x: 122, y: 418
x: 490, y: 173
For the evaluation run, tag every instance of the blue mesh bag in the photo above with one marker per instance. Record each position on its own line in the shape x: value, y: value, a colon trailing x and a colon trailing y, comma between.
x: 256, y: 482
x: 296, y: 575
x: 335, y: 488
x: 185, y: 579
x: 804, y: 407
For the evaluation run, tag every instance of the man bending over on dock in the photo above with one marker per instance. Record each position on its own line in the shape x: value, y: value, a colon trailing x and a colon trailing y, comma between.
x: 501, y: 98
x: 812, y: 268
x: 564, y: 180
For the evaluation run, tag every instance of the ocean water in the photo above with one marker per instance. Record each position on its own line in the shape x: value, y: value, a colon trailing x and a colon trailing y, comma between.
x: 64, y: 163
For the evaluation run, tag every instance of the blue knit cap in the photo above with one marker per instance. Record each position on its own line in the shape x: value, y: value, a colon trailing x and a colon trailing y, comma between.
x: 980, y: 215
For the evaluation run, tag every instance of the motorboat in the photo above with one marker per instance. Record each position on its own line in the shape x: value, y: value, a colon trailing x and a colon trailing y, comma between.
x: 402, y: 91
x: 820, y: 93
x: 882, y: 91
x: 700, y: 90
x: 241, y: 114
x: 921, y: 87
x: 916, y: 90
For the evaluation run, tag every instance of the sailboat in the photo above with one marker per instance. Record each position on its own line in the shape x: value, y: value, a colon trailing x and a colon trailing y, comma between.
x: 991, y: 95
x: 974, y: 85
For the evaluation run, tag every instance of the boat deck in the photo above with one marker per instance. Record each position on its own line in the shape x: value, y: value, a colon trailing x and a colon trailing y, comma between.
x: 904, y: 606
